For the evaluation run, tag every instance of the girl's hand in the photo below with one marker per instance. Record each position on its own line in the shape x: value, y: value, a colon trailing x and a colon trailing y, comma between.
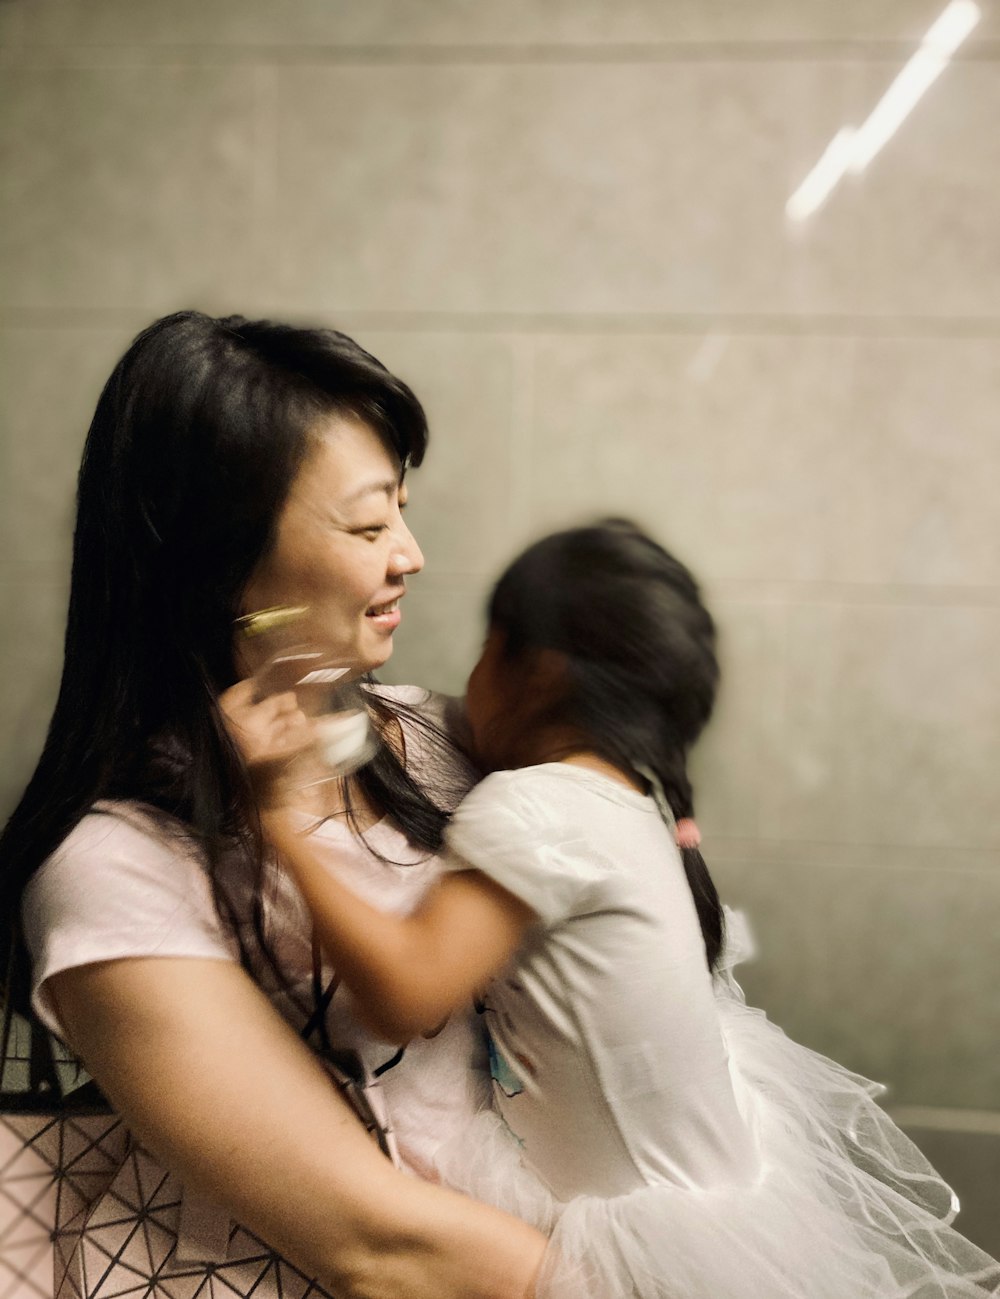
x: 270, y: 734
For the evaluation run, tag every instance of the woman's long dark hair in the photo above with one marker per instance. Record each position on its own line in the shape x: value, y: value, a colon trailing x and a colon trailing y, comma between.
x: 193, y: 448
x: 641, y: 673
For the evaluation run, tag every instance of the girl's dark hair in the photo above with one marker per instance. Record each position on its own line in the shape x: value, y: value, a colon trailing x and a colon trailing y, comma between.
x: 196, y: 439
x: 626, y: 619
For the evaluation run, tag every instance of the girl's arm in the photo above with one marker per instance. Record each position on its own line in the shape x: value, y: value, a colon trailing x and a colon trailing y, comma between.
x: 214, y: 1082
x: 407, y: 973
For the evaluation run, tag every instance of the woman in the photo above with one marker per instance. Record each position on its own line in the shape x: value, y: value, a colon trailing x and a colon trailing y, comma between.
x: 233, y: 465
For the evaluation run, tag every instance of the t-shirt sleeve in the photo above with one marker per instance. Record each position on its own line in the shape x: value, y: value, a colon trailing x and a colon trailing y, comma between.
x: 514, y: 828
x: 116, y: 888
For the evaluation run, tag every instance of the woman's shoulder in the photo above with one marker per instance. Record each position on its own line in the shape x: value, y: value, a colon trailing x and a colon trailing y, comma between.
x: 412, y: 695
x: 119, y: 859
x: 446, y: 712
x: 116, y: 833
x: 124, y: 882
x: 436, y: 740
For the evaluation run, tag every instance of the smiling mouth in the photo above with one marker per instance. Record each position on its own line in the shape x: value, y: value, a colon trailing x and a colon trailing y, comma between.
x: 380, y: 610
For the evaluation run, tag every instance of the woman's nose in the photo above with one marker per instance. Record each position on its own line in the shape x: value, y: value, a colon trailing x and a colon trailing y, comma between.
x: 406, y: 556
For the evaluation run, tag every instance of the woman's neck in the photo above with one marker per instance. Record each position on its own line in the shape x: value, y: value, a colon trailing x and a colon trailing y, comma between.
x: 326, y: 799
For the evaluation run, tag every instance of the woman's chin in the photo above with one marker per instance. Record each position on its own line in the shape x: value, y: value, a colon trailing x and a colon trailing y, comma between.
x: 377, y: 656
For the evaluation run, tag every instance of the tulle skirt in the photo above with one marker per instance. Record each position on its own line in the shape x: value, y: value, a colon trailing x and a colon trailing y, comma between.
x: 844, y: 1205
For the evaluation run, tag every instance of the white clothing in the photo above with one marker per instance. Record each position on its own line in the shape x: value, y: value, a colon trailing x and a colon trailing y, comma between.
x: 615, y: 970
x: 121, y: 886
x: 680, y: 1146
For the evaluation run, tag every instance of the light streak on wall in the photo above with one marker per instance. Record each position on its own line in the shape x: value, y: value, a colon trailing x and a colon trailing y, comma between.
x: 851, y: 150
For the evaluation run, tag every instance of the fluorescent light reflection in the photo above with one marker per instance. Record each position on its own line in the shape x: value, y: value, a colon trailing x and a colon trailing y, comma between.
x: 852, y: 150
x: 815, y: 189
x: 923, y: 69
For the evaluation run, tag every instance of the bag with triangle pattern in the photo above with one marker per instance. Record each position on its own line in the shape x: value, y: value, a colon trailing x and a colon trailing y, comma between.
x: 86, y: 1213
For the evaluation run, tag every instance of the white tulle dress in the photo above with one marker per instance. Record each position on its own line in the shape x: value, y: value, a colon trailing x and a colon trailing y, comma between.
x: 673, y: 1142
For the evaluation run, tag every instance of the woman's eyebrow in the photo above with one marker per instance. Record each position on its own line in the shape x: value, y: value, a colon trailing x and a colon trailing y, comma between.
x: 388, y: 487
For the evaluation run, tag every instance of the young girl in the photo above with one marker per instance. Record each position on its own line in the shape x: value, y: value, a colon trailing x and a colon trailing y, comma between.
x: 673, y: 1142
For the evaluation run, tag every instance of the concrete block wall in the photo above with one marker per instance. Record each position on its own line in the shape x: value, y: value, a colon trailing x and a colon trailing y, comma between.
x: 563, y: 223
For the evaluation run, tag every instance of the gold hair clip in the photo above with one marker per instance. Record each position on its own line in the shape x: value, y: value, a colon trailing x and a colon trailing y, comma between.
x: 265, y: 620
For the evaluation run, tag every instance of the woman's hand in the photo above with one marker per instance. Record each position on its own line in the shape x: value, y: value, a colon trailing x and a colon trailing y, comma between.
x: 270, y: 733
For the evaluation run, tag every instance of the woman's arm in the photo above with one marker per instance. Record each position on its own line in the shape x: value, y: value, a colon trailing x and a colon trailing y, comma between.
x: 218, y: 1086
x: 407, y: 973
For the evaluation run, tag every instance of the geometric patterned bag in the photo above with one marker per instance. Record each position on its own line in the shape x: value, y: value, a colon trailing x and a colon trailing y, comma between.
x: 86, y: 1213
x: 60, y: 1149
x: 52, y: 1171
x: 84, y: 1216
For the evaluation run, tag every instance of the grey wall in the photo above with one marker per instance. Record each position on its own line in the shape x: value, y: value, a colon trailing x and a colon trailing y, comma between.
x: 563, y: 223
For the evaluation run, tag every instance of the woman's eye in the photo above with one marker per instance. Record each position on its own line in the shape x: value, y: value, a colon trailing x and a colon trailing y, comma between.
x: 371, y: 531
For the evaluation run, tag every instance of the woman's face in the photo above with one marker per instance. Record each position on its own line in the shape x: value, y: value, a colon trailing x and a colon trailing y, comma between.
x: 342, y: 547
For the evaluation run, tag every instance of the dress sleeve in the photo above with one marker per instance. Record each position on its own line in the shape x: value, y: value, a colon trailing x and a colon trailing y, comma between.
x: 514, y: 828
x: 117, y: 888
